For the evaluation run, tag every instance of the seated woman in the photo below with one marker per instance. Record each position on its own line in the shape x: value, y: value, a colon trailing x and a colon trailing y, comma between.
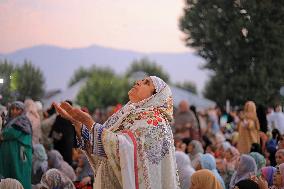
x: 54, y: 179
x: 185, y: 169
x: 55, y: 160
x: 39, y: 163
x: 207, y: 161
x: 84, y: 172
x: 195, y: 151
x: 134, y: 148
x: 245, y: 169
x: 204, y: 179
x: 16, y: 146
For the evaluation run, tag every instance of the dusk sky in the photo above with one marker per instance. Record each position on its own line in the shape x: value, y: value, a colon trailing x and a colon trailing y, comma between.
x: 139, y: 25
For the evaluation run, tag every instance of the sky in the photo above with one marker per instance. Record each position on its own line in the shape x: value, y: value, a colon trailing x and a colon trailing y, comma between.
x: 139, y: 25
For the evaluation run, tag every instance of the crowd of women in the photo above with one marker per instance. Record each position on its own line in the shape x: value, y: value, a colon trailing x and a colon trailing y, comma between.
x: 139, y: 145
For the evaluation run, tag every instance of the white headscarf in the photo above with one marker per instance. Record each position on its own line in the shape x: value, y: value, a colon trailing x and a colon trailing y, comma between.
x: 158, y: 83
x: 10, y: 183
x: 185, y: 170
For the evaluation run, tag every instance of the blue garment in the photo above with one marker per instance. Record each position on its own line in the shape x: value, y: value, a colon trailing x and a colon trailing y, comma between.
x: 98, y: 148
x: 207, y: 161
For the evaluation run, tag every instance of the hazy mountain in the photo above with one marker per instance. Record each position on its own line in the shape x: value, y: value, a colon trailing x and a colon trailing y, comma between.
x: 58, y: 64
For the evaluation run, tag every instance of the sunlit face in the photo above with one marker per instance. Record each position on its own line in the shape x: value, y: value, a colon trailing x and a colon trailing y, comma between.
x: 279, y: 158
x: 228, y: 155
x: 15, y: 112
x: 190, y: 148
x: 141, y: 90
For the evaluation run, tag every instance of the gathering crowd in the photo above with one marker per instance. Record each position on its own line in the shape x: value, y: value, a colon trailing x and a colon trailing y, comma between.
x: 214, y: 148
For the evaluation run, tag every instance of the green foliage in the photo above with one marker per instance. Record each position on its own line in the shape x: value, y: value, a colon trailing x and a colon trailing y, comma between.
x: 188, y: 85
x: 29, y: 81
x: 79, y: 74
x: 21, y: 82
x: 103, y: 88
x: 6, y: 69
x: 149, y: 67
x: 242, y: 43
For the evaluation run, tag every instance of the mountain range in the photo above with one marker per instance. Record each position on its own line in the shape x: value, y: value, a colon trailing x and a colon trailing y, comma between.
x: 58, y: 64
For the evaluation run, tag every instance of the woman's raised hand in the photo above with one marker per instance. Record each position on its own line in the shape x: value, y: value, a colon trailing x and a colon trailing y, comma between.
x: 83, y: 117
x: 62, y: 112
x: 76, y: 114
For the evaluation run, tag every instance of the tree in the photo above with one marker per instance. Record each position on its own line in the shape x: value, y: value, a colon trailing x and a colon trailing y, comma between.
x: 20, y: 82
x: 103, y: 88
x: 187, y: 85
x: 149, y: 67
x: 6, y: 70
x: 28, y: 82
x: 242, y: 43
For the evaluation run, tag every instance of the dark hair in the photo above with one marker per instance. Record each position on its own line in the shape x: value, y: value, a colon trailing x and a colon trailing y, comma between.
x: 247, y: 184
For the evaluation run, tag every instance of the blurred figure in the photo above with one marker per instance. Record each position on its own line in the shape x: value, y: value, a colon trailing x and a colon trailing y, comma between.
x: 195, y: 151
x: 84, y: 172
x: 204, y: 179
x: 267, y: 173
x: 55, y: 160
x: 39, y: 163
x: 54, y: 179
x: 247, y: 184
x: 278, y: 177
x: 261, y: 115
x: 207, y: 161
x: 63, y: 135
x: 277, y: 119
x: 185, y: 170
x: 279, y: 156
x: 9, y: 183
x: 32, y: 114
x: 16, y: 146
x: 259, y: 160
x: 185, y: 120
x: 248, y: 128
x: 245, y: 169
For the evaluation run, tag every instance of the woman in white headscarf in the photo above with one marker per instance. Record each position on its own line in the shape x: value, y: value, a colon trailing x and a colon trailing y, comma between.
x: 185, y: 169
x: 134, y: 148
x: 10, y: 183
x: 245, y: 169
x: 195, y: 150
x: 33, y: 115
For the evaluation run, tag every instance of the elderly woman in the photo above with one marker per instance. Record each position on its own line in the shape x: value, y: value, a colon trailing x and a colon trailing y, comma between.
x: 245, y: 169
x: 195, y: 151
x: 248, y: 128
x: 16, y: 146
x: 134, y: 148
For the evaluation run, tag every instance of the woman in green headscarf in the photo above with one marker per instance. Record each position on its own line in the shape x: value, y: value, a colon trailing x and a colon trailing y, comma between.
x: 16, y: 146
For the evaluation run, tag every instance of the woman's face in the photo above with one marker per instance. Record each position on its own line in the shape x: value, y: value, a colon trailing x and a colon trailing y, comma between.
x: 228, y: 155
x: 190, y: 148
x: 141, y: 90
x: 16, y: 112
x: 279, y: 158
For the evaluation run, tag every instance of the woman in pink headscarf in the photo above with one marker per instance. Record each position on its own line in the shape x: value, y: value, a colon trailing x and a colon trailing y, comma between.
x: 134, y: 148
